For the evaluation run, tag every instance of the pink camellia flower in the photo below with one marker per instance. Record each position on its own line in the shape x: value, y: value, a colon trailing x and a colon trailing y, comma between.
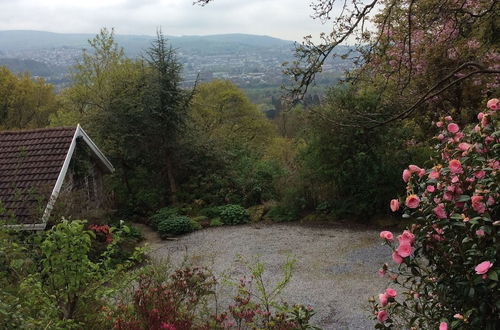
x: 490, y: 201
x: 483, y: 267
x: 458, y: 316
x: 404, y: 250
x: 391, y: 293
x: 477, y: 204
x: 477, y: 128
x: 439, y: 124
x: 421, y: 173
x: 397, y: 258
x: 406, y: 237
x: 412, y: 201
x: 480, y: 116
x: 434, y: 175
x: 440, y: 212
x: 480, y: 233
x: 382, y: 316
x: 381, y: 272
x: 453, y: 128
x: 383, y: 299
x: 440, y: 137
x: 493, y: 104
x: 484, y: 121
x: 448, y: 196
x: 448, y: 118
x: 430, y: 188
x: 386, y: 235
x: 414, y: 168
x: 394, y: 205
x: 464, y: 146
x: 406, y: 175
x: 443, y: 326
x: 480, y: 174
x: 455, y: 166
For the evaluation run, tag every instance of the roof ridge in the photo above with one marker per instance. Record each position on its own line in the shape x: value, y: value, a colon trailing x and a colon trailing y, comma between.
x: 35, y: 130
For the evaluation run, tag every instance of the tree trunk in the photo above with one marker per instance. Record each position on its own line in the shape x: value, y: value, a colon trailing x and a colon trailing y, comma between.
x: 171, y: 180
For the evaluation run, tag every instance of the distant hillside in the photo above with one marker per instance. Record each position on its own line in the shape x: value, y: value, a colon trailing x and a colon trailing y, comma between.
x: 250, y: 61
x: 24, y: 40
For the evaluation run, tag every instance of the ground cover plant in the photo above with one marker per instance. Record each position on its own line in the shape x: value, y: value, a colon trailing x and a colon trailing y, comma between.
x: 448, y: 261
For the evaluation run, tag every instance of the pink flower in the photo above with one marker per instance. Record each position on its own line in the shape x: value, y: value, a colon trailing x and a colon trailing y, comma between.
x: 440, y: 212
x: 421, y: 173
x: 404, y: 250
x: 458, y: 316
x: 383, y: 299
x: 455, y: 166
x: 381, y: 272
x: 464, y: 146
x: 394, y: 205
x: 391, y: 293
x: 440, y: 137
x: 453, y: 128
x: 439, y: 124
x: 478, y: 205
x: 397, y: 258
x: 406, y: 175
x: 480, y: 174
x: 480, y: 233
x: 443, y: 326
x: 386, y: 235
x: 412, y: 201
x: 480, y: 116
x: 490, y: 201
x: 493, y: 104
x: 483, y: 267
x: 448, y: 118
x: 430, y: 188
x: 414, y: 168
x: 382, y: 316
x: 406, y: 237
x: 434, y: 175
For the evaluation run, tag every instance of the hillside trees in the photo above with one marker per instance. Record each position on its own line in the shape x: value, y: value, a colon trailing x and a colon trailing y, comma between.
x: 134, y: 109
x: 25, y: 102
x: 228, y: 136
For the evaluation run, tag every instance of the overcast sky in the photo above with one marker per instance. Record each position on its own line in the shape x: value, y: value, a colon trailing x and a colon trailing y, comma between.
x: 286, y: 19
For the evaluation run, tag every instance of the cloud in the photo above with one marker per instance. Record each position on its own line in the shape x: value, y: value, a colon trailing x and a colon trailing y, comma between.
x: 287, y: 19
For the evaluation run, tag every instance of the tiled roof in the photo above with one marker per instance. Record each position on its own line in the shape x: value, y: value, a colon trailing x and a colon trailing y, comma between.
x: 30, y: 162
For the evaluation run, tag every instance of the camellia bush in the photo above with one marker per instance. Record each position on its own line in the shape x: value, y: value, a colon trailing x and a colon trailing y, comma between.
x: 445, y: 268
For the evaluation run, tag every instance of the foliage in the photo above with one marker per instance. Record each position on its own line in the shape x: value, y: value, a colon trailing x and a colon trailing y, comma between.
x: 162, y: 215
x: 448, y: 260
x: 282, y: 213
x: 131, y: 107
x: 216, y: 222
x: 352, y: 169
x: 51, y: 282
x: 175, y: 225
x: 187, y: 299
x: 233, y: 214
x: 26, y: 102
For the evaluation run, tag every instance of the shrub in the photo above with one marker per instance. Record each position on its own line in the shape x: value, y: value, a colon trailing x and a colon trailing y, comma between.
x: 448, y: 262
x: 216, y: 222
x: 281, y: 213
x: 175, y: 225
x: 211, y: 212
x: 195, y: 225
x: 233, y: 214
x: 162, y: 215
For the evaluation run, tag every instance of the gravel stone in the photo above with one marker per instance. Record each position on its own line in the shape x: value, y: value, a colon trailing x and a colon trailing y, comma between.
x: 335, y: 270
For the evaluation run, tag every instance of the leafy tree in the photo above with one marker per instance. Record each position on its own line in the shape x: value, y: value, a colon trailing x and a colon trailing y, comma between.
x: 25, y: 102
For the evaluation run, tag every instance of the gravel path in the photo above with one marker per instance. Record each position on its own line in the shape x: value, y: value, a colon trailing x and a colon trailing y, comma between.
x: 335, y: 271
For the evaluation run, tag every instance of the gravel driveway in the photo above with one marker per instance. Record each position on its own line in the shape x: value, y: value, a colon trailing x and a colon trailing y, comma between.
x: 335, y: 271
